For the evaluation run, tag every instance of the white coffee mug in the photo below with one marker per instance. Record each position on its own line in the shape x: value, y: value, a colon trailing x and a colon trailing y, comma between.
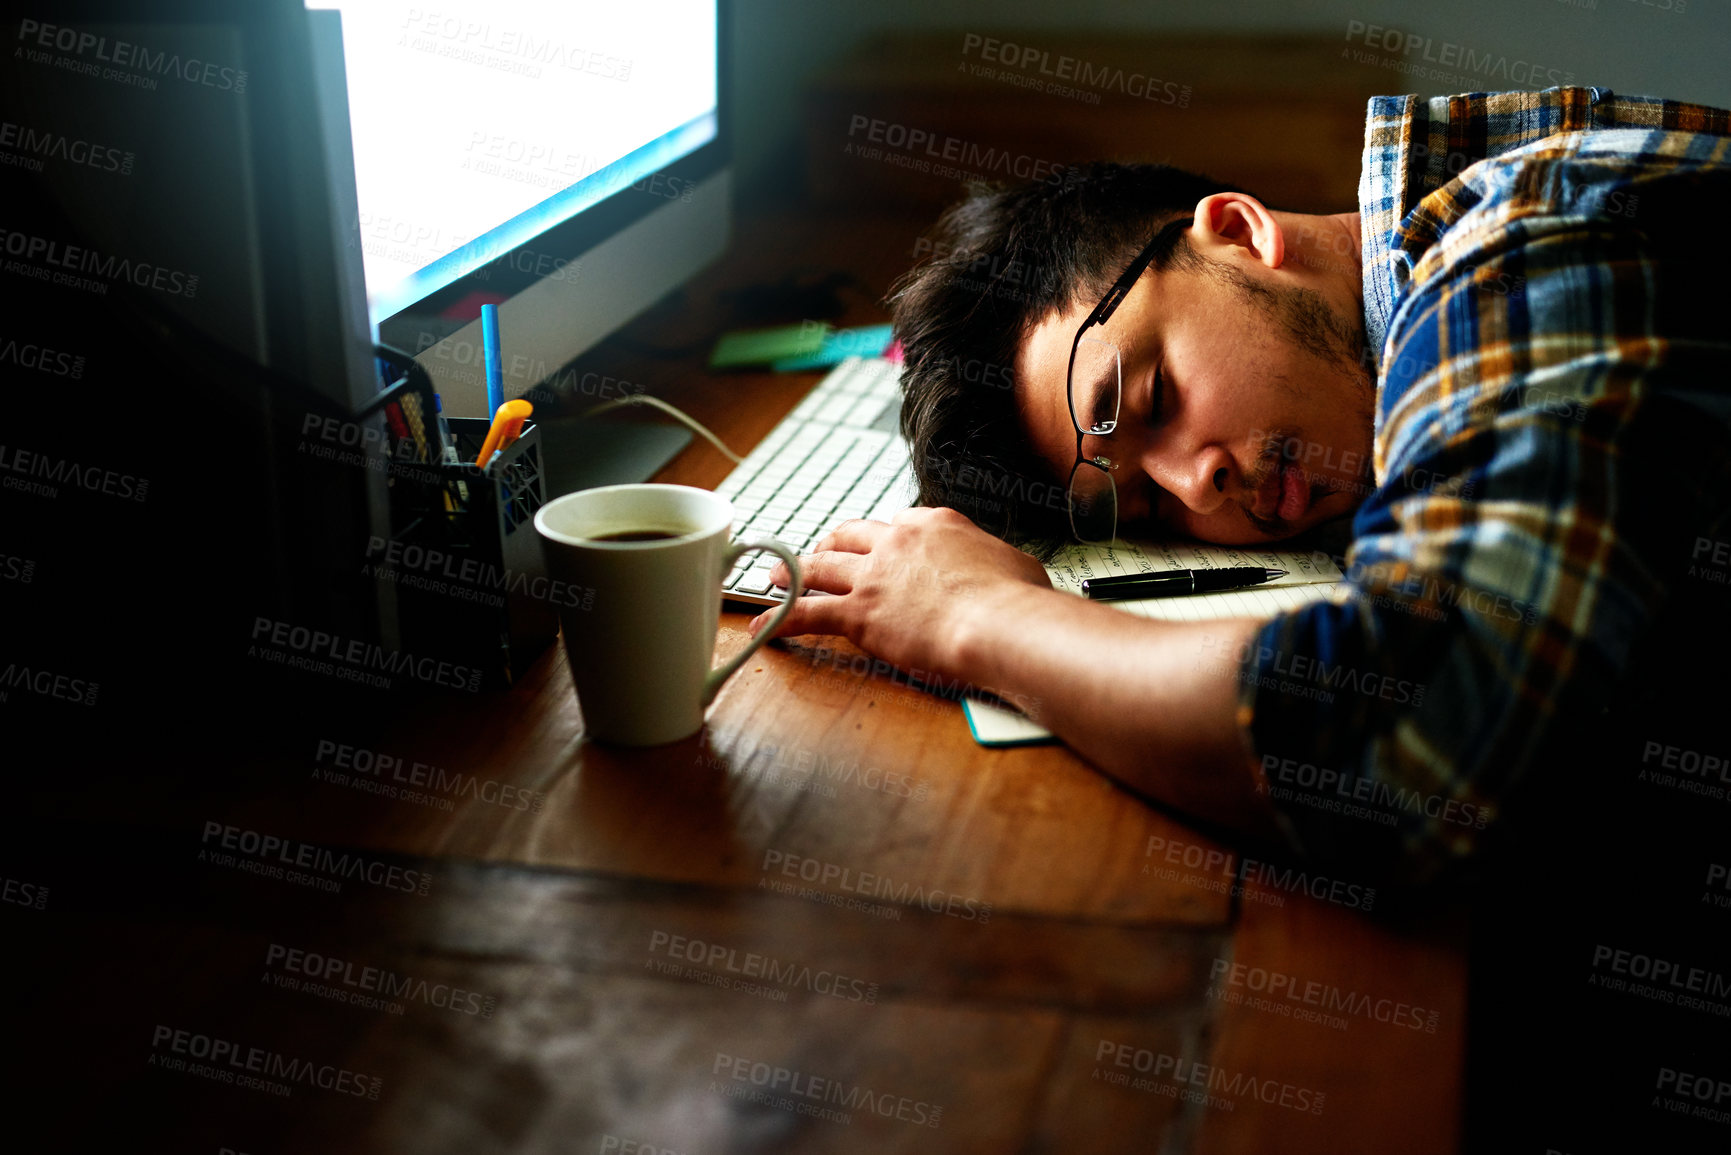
x: 640, y: 654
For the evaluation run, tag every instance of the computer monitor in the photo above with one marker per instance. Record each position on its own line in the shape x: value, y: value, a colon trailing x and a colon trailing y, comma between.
x: 569, y: 162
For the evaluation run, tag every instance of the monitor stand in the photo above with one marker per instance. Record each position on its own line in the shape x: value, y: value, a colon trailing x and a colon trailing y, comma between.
x: 582, y: 453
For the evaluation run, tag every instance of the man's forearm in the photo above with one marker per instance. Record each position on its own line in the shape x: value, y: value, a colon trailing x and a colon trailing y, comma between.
x: 1154, y: 704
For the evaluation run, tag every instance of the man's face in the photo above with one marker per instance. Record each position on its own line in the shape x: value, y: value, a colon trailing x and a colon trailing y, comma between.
x: 1262, y: 426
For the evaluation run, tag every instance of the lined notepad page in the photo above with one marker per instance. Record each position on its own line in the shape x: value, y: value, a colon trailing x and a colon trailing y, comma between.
x: 1309, y: 577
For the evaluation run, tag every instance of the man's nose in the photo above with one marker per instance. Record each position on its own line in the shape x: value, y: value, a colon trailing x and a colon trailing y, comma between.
x: 1199, y: 478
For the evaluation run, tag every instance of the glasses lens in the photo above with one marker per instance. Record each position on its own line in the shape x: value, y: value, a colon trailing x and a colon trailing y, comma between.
x: 1093, y: 504
x: 1095, y: 386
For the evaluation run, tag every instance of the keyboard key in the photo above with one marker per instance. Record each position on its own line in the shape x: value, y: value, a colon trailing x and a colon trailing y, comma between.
x: 809, y: 407
x: 834, y: 409
x: 755, y: 582
x: 865, y: 412
x: 850, y: 511
x: 831, y: 492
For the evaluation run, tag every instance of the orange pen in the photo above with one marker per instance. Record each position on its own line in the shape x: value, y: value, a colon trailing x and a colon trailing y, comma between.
x: 507, y: 425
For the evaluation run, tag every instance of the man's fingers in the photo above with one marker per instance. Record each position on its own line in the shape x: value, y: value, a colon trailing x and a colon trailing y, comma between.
x: 857, y: 536
x: 829, y: 572
x: 808, y: 616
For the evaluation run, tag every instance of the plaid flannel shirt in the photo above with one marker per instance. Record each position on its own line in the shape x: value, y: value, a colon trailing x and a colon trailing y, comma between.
x: 1553, y: 348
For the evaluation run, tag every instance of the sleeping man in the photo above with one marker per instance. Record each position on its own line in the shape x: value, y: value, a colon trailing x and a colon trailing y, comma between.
x: 1503, y: 383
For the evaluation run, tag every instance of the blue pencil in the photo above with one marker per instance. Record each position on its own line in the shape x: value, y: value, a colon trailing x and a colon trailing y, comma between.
x: 495, y: 363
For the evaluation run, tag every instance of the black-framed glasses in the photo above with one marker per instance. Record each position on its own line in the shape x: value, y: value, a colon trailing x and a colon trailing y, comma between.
x: 1093, y: 388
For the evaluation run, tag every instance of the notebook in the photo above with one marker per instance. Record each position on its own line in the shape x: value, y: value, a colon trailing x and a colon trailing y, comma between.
x: 1310, y: 576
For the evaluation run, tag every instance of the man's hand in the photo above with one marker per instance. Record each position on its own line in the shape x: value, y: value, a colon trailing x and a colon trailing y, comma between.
x: 929, y: 591
x: 905, y: 590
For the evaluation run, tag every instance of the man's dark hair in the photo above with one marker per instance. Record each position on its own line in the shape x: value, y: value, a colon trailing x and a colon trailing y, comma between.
x: 1001, y: 261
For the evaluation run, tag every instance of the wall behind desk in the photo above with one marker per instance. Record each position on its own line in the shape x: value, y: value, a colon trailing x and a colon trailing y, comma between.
x: 1672, y: 48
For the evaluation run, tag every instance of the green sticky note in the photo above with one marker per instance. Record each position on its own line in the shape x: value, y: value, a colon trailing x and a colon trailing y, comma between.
x: 765, y: 346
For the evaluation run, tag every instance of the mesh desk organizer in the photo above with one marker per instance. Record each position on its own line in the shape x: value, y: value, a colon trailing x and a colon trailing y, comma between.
x: 464, y: 559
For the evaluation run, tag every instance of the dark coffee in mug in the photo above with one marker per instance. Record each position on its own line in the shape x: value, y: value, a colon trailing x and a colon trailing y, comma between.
x: 637, y: 535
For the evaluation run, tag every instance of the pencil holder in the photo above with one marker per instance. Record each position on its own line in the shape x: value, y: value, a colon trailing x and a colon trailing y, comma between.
x: 471, y: 585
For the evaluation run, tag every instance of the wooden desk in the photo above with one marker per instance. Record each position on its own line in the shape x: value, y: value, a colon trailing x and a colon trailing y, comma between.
x: 1031, y: 941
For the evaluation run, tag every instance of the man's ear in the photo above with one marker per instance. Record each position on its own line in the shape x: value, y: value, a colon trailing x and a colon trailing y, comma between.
x: 1232, y: 220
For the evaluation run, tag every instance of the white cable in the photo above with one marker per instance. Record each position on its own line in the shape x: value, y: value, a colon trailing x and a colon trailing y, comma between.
x: 695, y: 425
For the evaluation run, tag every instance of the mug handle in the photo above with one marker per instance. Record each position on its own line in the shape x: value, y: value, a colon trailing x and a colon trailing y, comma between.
x: 712, y: 682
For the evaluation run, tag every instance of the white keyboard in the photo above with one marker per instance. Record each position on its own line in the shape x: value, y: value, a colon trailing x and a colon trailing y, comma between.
x: 839, y: 455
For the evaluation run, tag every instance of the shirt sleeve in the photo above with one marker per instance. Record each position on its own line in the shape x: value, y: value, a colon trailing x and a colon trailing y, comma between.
x: 1511, y: 556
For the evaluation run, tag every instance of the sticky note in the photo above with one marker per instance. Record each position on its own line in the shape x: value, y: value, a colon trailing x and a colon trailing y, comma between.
x: 766, y: 346
x: 864, y: 341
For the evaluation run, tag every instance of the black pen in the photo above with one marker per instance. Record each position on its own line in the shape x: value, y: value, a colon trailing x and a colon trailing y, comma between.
x: 1168, y: 583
